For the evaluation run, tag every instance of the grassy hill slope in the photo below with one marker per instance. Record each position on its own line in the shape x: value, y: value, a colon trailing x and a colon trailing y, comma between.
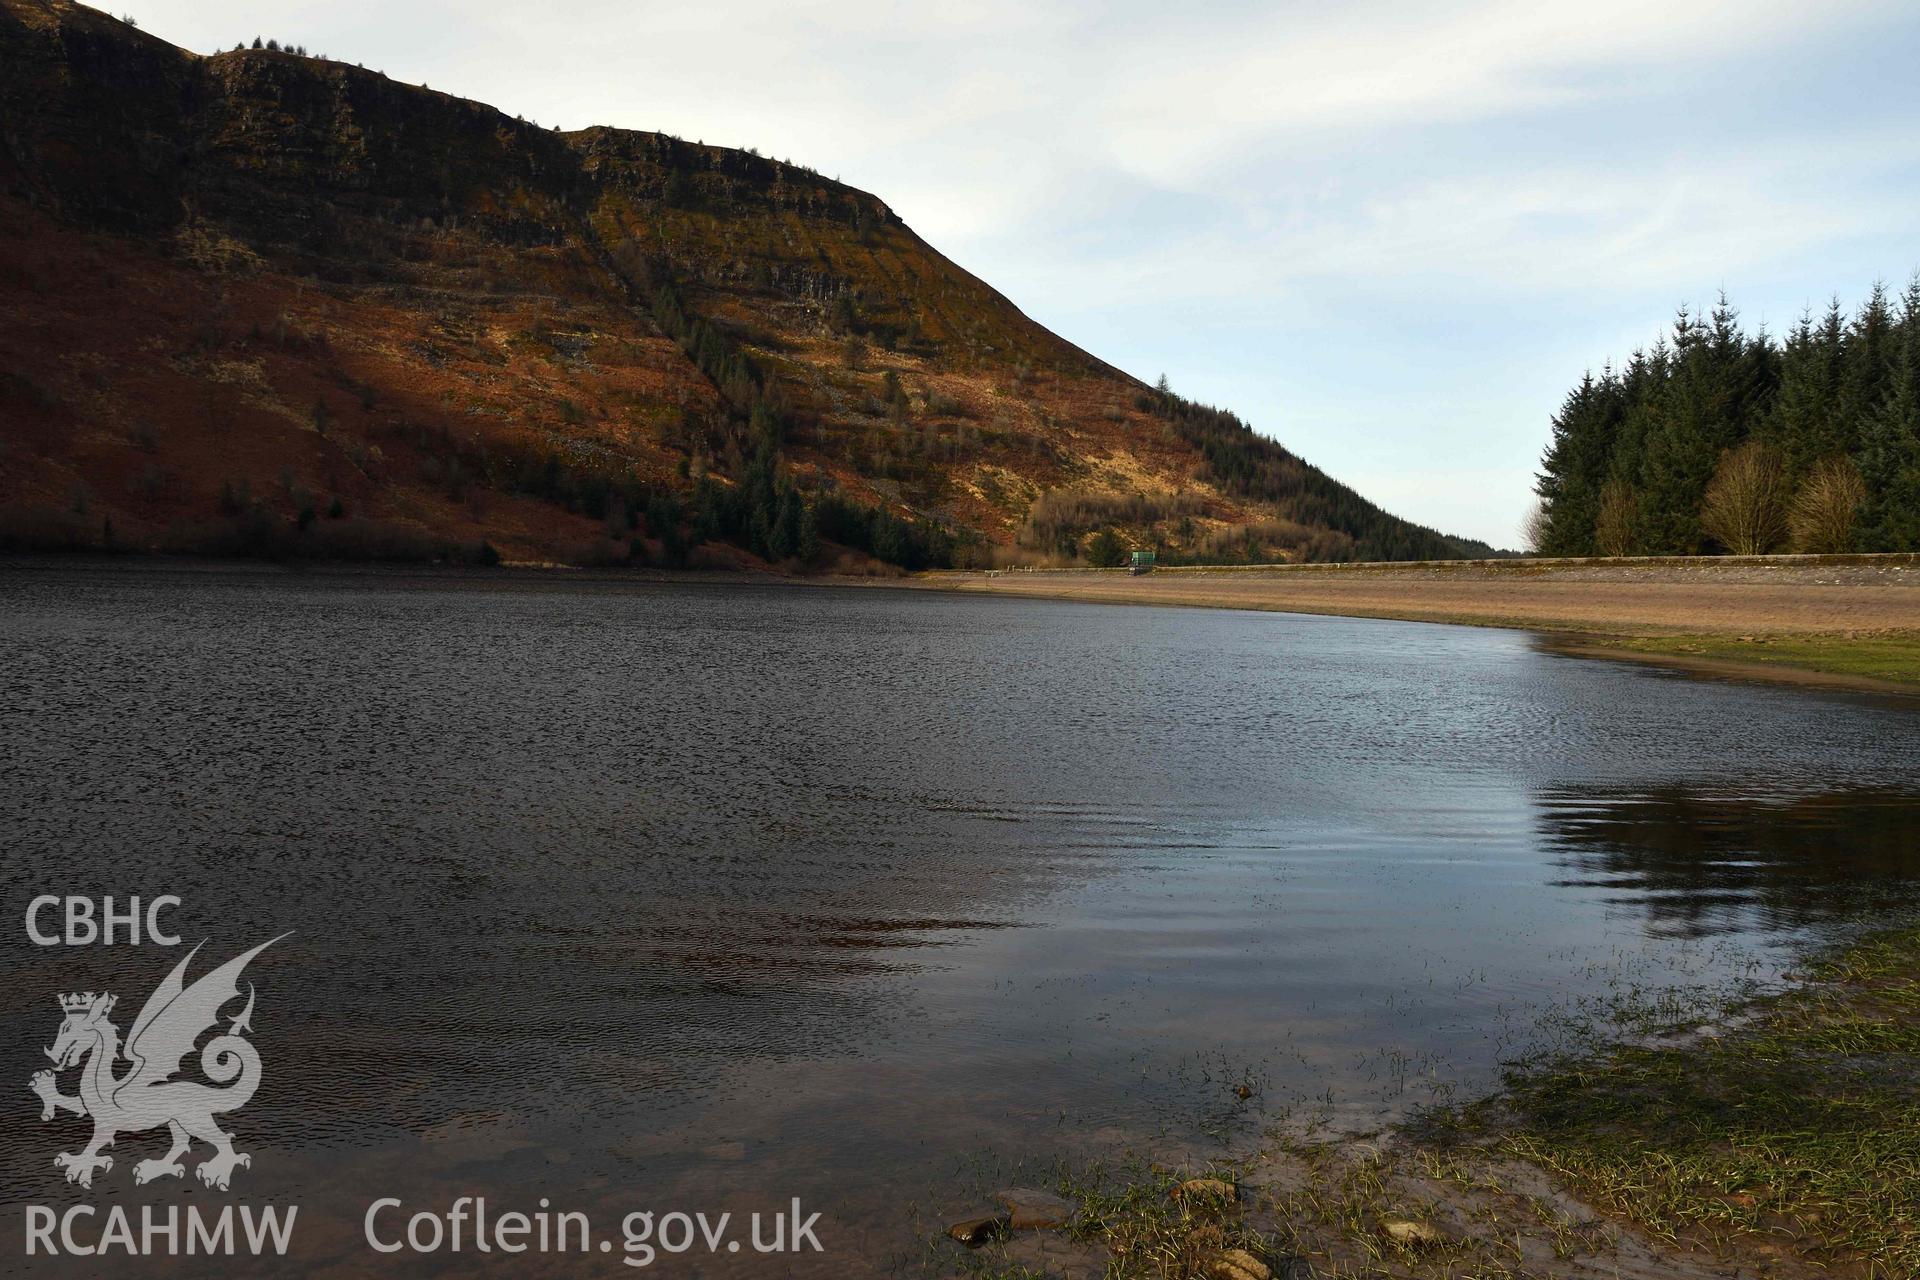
x: 262, y: 302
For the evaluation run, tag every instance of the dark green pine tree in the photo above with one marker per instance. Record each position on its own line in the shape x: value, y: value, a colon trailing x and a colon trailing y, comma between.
x: 888, y: 538
x: 808, y: 545
x: 1867, y: 369
x: 1802, y: 422
x: 759, y: 499
x: 784, y: 538
x: 1106, y: 550
x: 663, y: 522
x: 1576, y: 465
x: 1689, y: 427
x: 1756, y: 385
x: 1719, y: 378
x: 709, y: 512
x: 1890, y: 440
x: 1641, y: 390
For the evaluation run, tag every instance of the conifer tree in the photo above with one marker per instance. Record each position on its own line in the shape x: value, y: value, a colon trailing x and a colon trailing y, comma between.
x: 1632, y: 454
x: 1890, y: 440
x: 1572, y: 473
x: 1868, y: 351
x: 1691, y: 425
x: 807, y: 546
x: 784, y: 540
x: 1800, y: 421
x: 1106, y: 550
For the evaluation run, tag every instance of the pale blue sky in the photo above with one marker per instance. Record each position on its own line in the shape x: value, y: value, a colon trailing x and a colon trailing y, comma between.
x: 1390, y: 236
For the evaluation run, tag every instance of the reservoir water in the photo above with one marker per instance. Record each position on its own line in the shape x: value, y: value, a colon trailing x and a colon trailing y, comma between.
x: 706, y: 897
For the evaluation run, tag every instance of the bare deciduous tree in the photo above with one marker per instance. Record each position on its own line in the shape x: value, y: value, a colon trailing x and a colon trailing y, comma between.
x: 1613, y: 522
x: 1825, y: 510
x: 1534, y: 528
x: 1745, y: 509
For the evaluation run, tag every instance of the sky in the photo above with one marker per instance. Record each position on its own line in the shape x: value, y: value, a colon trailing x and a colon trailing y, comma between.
x: 1391, y: 236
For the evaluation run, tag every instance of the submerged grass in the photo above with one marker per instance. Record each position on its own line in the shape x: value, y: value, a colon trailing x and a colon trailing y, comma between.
x: 1797, y: 1132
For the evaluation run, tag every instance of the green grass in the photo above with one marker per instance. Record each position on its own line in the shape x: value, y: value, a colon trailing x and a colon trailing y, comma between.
x: 1799, y: 1131
x: 1880, y: 657
x: 1134, y: 1212
x: 1141, y: 1228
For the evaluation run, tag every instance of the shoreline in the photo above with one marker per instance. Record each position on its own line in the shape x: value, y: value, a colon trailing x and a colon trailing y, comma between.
x: 1837, y: 623
x: 1822, y: 622
x: 1679, y: 1149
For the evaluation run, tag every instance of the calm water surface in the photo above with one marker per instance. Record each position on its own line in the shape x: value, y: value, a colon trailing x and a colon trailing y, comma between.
x: 690, y: 897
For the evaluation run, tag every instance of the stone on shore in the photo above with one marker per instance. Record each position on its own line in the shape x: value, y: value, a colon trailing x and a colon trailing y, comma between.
x: 1205, y: 1191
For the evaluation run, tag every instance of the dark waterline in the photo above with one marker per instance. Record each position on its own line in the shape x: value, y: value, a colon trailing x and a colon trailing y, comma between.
x: 707, y: 897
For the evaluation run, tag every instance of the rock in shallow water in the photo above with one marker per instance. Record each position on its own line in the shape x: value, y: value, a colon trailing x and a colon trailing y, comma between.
x: 974, y: 1232
x: 1028, y: 1209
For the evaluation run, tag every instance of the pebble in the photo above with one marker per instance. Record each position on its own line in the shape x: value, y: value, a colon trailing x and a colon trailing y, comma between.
x: 974, y: 1232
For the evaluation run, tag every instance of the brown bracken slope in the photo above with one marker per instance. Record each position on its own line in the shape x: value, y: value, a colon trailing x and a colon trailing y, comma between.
x: 262, y: 300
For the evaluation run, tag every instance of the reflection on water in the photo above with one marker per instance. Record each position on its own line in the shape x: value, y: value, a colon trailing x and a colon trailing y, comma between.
x: 643, y: 896
x: 1700, y: 861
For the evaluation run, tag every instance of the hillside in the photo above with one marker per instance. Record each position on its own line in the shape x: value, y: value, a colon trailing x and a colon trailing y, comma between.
x: 263, y: 303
